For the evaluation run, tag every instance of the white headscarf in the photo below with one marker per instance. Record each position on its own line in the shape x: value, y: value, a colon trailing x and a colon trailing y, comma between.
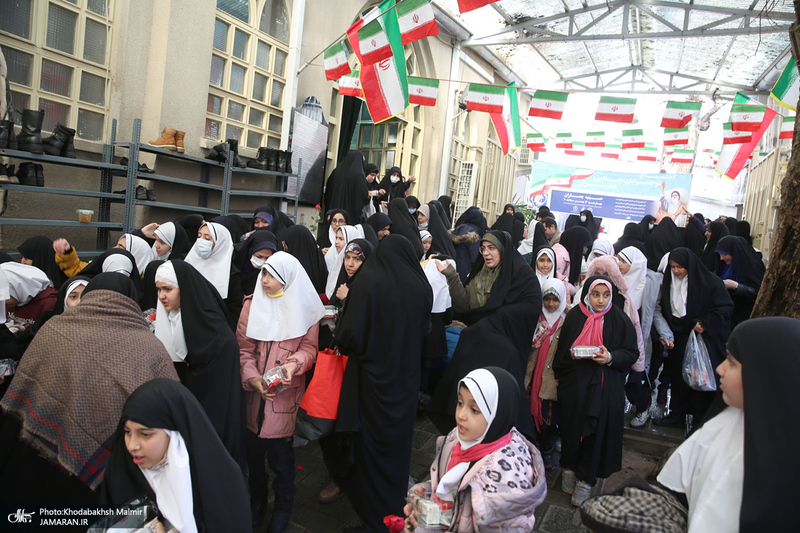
x: 526, y: 246
x: 140, y: 251
x: 288, y: 316
x: 118, y: 263
x: 71, y: 287
x: 483, y: 386
x: 438, y: 282
x: 662, y: 265
x: 636, y: 278
x: 549, y: 252
x: 172, y: 485
x: 334, y: 258
x: 679, y: 293
x: 425, y: 234
x: 165, y: 232
x: 24, y: 281
x: 217, y: 268
x: 600, y: 247
x: 169, y: 324
x: 557, y: 288
x: 5, y: 294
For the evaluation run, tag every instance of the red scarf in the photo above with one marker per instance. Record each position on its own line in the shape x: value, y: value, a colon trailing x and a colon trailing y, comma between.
x: 479, y: 451
x: 536, y: 384
x: 592, y: 332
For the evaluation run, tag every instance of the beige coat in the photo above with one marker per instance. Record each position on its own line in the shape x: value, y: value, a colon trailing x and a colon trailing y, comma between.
x: 549, y: 390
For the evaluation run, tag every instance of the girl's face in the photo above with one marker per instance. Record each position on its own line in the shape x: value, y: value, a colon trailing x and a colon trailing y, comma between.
x: 426, y: 244
x: 352, y: 263
x: 162, y: 248
x: 708, y: 233
x: 490, y: 253
x: 677, y: 270
x: 260, y: 223
x: 551, y: 303
x: 544, y: 264
x: 29, y: 262
x: 624, y: 266
x: 205, y: 234
x: 74, y: 296
x: 730, y: 382
x: 421, y: 218
x: 338, y: 221
x: 470, y: 420
x: 509, y: 209
x: 269, y: 283
x: 169, y: 296
x: 147, y: 446
x: 264, y: 253
x: 121, y: 243
x: 601, y: 272
x: 339, y: 241
x: 383, y: 232
x: 726, y: 258
x: 599, y: 297
x: 371, y: 177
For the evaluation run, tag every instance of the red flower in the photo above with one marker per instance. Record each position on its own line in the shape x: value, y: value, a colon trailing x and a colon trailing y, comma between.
x: 317, y: 207
x: 395, y: 524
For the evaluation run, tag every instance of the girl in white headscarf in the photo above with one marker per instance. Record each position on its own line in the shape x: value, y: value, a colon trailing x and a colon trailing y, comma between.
x: 335, y: 256
x: 633, y: 265
x: 138, y: 248
x: 279, y: 327
x: 30, y: 293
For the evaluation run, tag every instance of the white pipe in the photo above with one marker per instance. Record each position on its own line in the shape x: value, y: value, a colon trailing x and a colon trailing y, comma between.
x: 293, y: 65
x: 450, y: 98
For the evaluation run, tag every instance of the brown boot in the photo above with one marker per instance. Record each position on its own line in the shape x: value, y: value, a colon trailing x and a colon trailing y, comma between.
x: 167, y: 140
x: 329, y: 493
x: 179, y: 135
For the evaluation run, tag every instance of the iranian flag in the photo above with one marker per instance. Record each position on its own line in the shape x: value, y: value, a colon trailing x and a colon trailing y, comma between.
x: 468, y: 5
x: 787, y: 128
x: 682, y: 156
x: 486, y: 98
x: 733, y: 157
x: 416, y: 20
x: 535, y: 141
x: 563, y: 140
x: 506, y: 123
x: 336, y: 64
x: 669, y: 150
x: 747, y: 117
x: 548, y: 104
x: 373, y: 43
x: 678, y: 114
x: 559, y: 180
x: 787, y: 88
x: 673, y: 136
x: 729, y: 136
x: 578, y: 148
x: 648, y: 153
x: 384, y: 83
x: 350, y: 86
x: 610, y: 151
x: 613, y: 109
x: 632, y: 139
x: 422, y: 91
x: 596, y: 138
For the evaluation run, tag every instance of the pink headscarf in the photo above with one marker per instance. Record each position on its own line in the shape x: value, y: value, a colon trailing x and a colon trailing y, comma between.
x: 592, y: 333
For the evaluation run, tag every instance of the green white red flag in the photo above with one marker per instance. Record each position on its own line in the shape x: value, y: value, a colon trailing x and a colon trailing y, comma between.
x: 486, y: 98
x: 614, y: 109
x: 559, y: 180
x: 349, y: 85
x: 678, y: 114
x: 536, y: 142
x: 787, y: 128
x: 747, y: 117
x: 563, y: 140
x: 578, y: 148
x: 674, y: 136
x: 548, y: 104
x: 373, y: 43
x: 733, y: 157
x: 632, y: 139
x: 611, y: 151
x: 596, y: 138
x: 506, y: 123
x: 422, y: 91
x: 787, y: 88
x: 468, y: 5
x: 336, y: 64
x: 647, y: 153
x: 385, y: 83
x: 682, y: 156
x: 416, y: 20
x: 730, y: 136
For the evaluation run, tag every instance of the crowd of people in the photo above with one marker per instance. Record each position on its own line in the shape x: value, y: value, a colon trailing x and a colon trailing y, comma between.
x: 173, y: 366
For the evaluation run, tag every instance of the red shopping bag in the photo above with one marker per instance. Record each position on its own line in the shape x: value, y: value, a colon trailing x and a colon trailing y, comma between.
x: 321, y: 399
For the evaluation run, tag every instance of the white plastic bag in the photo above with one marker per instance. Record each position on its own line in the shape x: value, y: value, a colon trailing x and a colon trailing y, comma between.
x: 698, y: 372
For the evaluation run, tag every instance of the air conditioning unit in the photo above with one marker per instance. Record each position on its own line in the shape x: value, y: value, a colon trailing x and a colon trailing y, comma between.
x: 468, y: 173
x: 524, y: 156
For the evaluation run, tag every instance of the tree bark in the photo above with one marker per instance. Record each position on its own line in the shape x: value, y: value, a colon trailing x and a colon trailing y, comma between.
x: 780, y: 290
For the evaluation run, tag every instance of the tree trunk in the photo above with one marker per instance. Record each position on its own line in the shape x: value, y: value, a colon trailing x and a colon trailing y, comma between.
x: 780, y: 290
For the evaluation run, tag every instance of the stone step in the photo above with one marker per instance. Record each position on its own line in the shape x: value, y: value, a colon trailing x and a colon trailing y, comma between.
x: 651, y: 439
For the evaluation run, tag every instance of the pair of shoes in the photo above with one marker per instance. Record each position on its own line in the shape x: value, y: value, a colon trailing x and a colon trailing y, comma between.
x: 8, y: 138
x: 329, y: 493
x: 568, y: 481
x: 672, y: 421
x: 60, y: 142
x: 143, y: 169
x: 30, y: 136
x: 7, y: 174
x: 142, y: 193
x: 258, y: 508
x: 583, y: 491
x: 171, y: 139
x: 640, y: 419
x: 279, y: 523
x: 266, y: 158
x: 547, y: 459
x: 31, y: 174
x: 218, y: 153
x: 234, y: 150
x: 284, y: 162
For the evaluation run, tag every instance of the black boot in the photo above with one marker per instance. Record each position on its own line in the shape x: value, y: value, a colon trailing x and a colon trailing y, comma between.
x: 27, y: 174
x: 8, y: 139
x: 234, y: 150
x: 261, y: 160
x: 272, y: 159
x: 287, y: 166
x: 281, y: 161
x: 39, y: 175
x: 218, y: 153
x: 60, y: 142
x: 30, y: 137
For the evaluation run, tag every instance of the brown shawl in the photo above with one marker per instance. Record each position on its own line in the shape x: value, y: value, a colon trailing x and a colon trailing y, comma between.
x: 74, y: 378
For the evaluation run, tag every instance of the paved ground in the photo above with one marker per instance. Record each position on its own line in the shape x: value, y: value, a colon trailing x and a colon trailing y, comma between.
x: 556, y: 515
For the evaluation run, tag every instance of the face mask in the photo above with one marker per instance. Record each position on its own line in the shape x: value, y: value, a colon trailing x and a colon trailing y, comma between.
x: 163, y: 257
x: 257, y: 262
x: 423, y: 225
x: 395, y: 179
x: 203, y: 248
x: 651, y: 226
x: 411, y: 210
x: 583, y: 218
x: 277, y: 294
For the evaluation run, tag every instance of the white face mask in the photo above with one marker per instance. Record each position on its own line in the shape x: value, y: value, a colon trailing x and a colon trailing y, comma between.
x: 651, y: 226
x: 395, y: 179
x: 583, y: 218
x: 203, y: 248
x: 423, y: 225
x: 257, y: 262
x: 163, y: 257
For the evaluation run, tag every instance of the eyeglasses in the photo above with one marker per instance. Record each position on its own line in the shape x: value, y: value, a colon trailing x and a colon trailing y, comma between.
x: 488, y: 248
